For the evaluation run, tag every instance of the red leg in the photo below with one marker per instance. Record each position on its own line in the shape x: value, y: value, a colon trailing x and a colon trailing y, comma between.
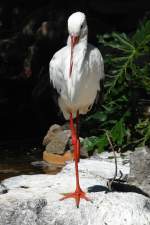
x: 77, y: 124
x: 78, y: 194
x: 73, y: 131
x: 77, y: 133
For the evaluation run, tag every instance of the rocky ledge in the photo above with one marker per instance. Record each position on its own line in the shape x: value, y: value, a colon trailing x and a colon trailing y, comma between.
x: 34, y: 199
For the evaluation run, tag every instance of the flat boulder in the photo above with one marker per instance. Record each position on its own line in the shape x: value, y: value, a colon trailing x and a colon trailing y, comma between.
x: 34, y: 199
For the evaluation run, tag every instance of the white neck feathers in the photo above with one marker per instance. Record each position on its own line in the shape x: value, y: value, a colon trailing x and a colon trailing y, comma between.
x: 79, y: 52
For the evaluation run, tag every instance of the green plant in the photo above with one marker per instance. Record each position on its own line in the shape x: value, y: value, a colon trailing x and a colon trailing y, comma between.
x: 127, y: 65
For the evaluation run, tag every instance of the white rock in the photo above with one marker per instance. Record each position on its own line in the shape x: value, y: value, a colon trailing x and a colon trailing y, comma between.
x: 97, y: 168
x: 34, y: 199
x: 122, y: 158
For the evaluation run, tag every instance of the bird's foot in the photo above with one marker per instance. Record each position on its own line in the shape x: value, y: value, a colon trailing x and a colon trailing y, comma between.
x: 77, y: 195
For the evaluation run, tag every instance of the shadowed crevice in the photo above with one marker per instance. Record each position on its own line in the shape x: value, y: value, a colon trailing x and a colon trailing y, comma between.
x: 119, y: 187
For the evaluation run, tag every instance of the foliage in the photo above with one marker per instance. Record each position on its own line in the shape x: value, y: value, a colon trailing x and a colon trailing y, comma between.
x: 127, y: 68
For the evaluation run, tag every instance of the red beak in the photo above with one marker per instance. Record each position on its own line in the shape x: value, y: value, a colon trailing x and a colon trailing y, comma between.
x: 74, y: 41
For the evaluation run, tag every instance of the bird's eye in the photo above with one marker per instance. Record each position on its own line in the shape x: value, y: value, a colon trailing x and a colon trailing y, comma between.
x: 81, y: 26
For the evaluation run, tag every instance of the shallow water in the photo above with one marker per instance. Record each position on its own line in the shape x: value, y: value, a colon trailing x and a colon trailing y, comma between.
x: 23, y: 157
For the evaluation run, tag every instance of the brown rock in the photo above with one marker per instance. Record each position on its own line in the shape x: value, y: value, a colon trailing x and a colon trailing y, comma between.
x: 57, y: 159
x: 53, y: 130
x: 58, y: 143
x: 56, y: 139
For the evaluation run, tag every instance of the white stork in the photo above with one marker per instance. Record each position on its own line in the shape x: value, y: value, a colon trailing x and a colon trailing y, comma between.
x: 76, y: 71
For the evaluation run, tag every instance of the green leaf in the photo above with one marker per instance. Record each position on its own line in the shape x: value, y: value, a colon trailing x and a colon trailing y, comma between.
x: 89, y: 143
x: 127, y: 69
x: 118, y: 132
x: 124, y: 41
x: 102, y: 143
x: 100, y: 116
x: 142, y: 33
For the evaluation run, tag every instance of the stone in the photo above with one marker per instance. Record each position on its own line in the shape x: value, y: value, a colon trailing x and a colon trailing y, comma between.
x: 58, y: 148
x: 34, y: 199
x: 57, y: 159
x: 83, y: 150
x: 99, y: 168
x: 140, y: 169
x: 59, y: 142
x: 48, y: 168
x: 53, y: 130
x: 122, y: 158
x: 56, y: 139
x: 3, y: 189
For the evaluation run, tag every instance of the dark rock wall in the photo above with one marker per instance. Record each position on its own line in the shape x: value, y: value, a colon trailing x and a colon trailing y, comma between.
x: 30, y: 33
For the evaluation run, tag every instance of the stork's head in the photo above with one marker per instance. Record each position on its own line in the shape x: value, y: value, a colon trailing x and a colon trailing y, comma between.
x: 78, y: 30
x: 77, y: 26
